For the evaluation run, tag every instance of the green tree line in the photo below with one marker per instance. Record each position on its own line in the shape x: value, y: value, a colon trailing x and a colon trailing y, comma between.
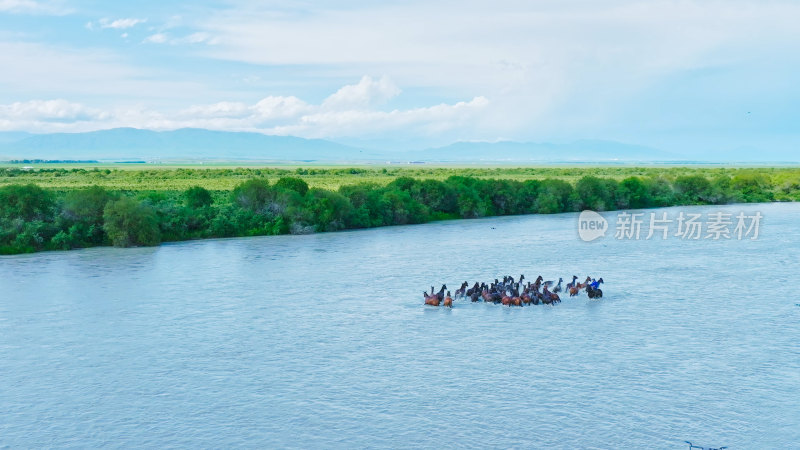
x: 34, y: 219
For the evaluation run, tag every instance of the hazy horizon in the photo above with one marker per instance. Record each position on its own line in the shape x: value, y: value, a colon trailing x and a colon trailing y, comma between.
x: 710, y: 79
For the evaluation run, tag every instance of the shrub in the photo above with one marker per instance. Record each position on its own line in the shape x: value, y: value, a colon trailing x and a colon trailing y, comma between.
x: 752, y: 188
x: 253, y: 194
x: 27, y: 202
x: 596, y: 194
x: 197, y: 197
x: 129, y: 223
x: 82, y: 213
x: 633, y: 193
x: 292, y: 183
x: 693, y: 189
x: 328, y: 209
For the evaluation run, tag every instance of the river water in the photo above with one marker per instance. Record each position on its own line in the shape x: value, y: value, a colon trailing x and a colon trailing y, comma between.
x: 322, y: 341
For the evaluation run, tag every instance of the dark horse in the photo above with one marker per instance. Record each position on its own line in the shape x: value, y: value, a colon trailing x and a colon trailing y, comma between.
x: 595, y: 292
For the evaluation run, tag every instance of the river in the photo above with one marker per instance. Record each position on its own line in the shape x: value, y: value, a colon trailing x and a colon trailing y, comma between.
x: 322, y: 341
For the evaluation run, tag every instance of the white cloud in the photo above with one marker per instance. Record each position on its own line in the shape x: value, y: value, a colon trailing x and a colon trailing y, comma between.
x: 120, y: 24
x: 157, y: 38
x: 221, y: 109
x: 59, y: 110
x: 366, y: 93
x: 517, y: 32
x: 33, y: 7
x: 194, y: 38
x: 49, y: 115
x: 365, y: 123
x: 271, y: 108
x: 351, y: 113
x: 546, y: 64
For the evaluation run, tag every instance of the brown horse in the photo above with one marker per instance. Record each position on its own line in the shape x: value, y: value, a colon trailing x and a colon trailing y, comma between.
x: 432, y: 300
x: 448, y: 301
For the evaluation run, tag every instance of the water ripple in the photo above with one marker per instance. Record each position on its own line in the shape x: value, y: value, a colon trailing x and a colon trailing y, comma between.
x: 322, y: 341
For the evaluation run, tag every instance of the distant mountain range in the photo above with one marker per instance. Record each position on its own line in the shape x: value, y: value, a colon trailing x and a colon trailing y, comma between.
x: 7, y: 137
x: 199, y: 144
x: 187, y: 143
x: 584, y: 150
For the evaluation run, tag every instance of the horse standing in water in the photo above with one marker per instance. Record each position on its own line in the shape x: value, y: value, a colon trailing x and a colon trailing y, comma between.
x: 593, y: 289
x: 572, y: 286
x: 440, y: 294
x: 557, y: 289
x: 432, y: 300
x: 485, y: 295
x: 448, y: 301
x: 462, y: 291
x: 436, y: 299
x: 553, y: 297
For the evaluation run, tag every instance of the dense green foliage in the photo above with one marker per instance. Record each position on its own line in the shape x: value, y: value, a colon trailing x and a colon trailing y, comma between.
x: 130, y: 223
x: 33, y: 218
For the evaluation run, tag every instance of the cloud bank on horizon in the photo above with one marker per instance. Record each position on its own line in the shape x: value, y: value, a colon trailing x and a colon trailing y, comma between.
x: 694, y: 75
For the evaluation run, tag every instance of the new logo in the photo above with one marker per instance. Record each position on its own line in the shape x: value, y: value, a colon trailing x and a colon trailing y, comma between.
x: 591, y: 226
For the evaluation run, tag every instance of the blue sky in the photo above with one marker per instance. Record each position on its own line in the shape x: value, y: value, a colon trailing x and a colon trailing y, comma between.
x: 689, y: 76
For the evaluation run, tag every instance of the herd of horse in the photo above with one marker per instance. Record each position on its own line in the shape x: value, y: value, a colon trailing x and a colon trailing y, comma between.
x: 511, y: 292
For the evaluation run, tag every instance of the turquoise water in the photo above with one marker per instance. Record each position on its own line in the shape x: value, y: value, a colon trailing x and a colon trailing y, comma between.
x: 323, y: 341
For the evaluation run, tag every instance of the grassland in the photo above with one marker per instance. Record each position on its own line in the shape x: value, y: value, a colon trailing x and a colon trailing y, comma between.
x: 139, y: 177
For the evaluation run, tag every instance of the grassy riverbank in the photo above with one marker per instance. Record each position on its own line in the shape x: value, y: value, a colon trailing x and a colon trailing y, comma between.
x: 137, y: 177
x: 64, y: 208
